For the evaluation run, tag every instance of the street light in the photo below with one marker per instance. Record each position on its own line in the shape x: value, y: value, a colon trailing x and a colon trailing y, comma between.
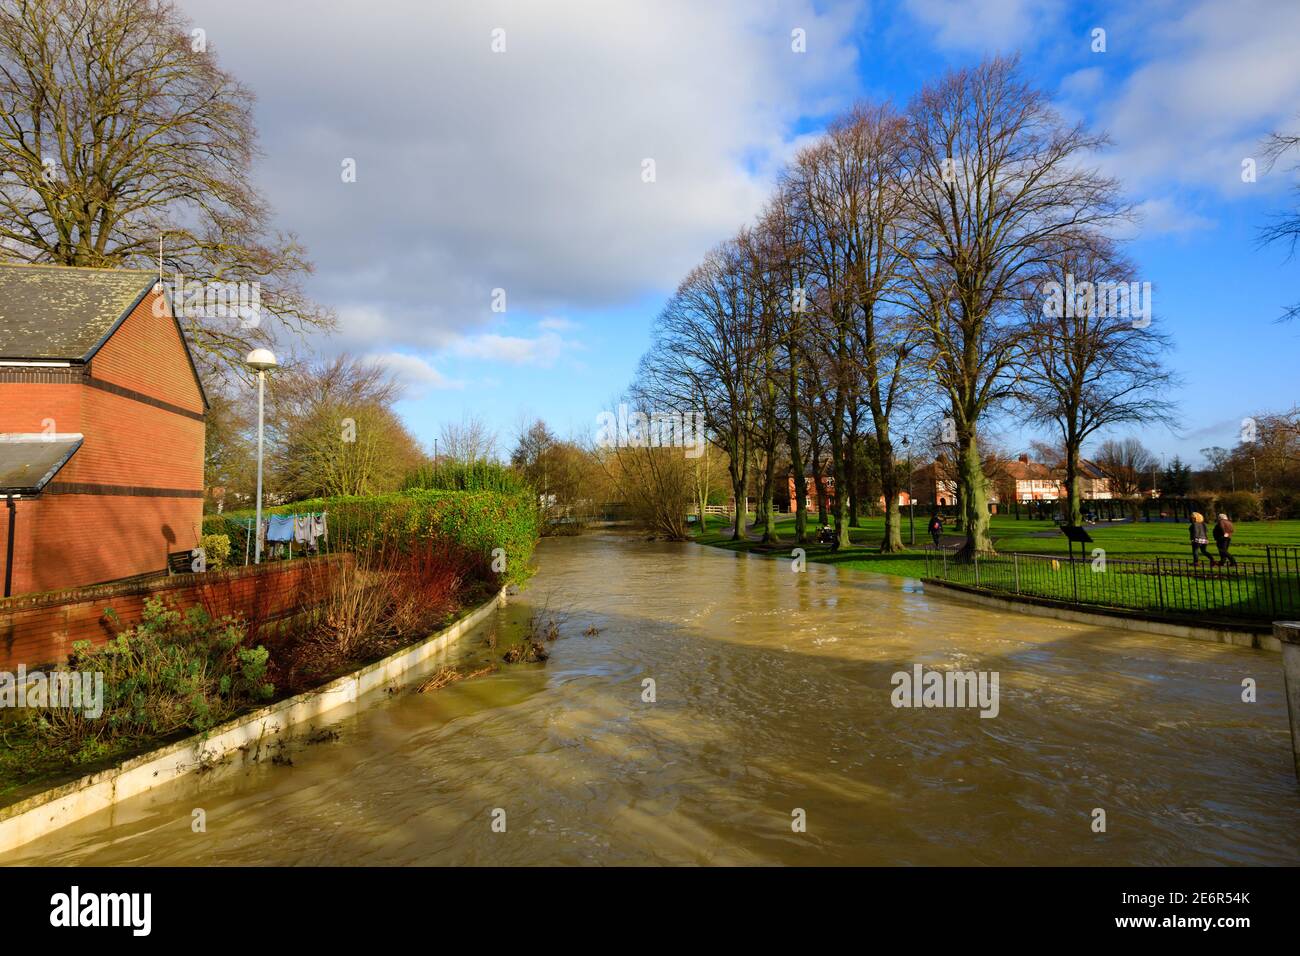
x: 262, y: 360
x: 911, y: 501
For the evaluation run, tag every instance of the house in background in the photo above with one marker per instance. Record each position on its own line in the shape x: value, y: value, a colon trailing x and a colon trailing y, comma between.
x: 1093, y: 484
x: 1031, y: 480
x: 101, y: 427
x: 810, y: 492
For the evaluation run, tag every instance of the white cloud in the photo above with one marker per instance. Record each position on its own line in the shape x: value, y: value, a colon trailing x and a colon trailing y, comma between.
x: 557, y: 324
x: 985, y: 25
x: 513, y: 350
x: 1218, y: 78
x: 519, y: 170
x: 414, y: 373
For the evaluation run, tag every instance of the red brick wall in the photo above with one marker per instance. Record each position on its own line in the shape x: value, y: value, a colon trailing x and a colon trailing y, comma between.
x: 68, y: 540
x: 40, y: 629
x: 146, y: 355
x: 64, y: 541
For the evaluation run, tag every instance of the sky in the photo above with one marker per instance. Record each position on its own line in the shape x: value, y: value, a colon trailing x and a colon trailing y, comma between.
x: 501, y: 251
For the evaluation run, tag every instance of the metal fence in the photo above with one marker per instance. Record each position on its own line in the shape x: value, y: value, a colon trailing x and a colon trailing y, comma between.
x: 1253, y: 589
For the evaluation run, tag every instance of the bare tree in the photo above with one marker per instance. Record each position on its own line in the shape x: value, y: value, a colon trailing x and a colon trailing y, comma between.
x: 1089, y: 363
x: 702, y: 359
x: 117, y: 128
x: 1127, y: 464
x: 332, y: 430
x: 1285, y: 227
x: 994, y: 178
x: 467, y: 441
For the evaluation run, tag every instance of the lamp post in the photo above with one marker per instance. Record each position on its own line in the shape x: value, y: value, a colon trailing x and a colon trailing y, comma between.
x: 911, y: 501
x: 262, y: 360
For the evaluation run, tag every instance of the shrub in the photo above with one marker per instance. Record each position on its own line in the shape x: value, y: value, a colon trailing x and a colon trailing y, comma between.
x: 216, y: 547
x: 1237, y: 505
x: 478, y: 522
x: 404, y: 593
x: 458, y: 476
x: 171, y: 672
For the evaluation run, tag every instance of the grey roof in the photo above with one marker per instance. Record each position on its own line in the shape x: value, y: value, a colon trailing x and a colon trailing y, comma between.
x: 64, y: 312
x: 29, y: 461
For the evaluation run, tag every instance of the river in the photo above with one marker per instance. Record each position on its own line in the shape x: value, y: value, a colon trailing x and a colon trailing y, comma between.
x: 772, y: 703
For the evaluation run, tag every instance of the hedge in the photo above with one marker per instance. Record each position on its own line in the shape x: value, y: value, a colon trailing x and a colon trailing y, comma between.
x: 480, y: 521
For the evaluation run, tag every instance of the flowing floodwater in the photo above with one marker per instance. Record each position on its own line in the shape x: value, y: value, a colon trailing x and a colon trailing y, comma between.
x: 772, y: 694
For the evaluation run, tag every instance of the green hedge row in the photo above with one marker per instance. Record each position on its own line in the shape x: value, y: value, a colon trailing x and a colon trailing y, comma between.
x: 479, y: 521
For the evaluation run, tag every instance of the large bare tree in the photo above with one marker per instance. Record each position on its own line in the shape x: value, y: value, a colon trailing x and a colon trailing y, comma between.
x: 1127, y: 464
x: 1090, y: 361
x: 118, y: 129
x: 994, y: 179
x: 1285, y: 227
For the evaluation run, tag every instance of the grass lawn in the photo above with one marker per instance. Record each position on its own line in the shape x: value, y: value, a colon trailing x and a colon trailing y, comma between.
x: 1204, y: 592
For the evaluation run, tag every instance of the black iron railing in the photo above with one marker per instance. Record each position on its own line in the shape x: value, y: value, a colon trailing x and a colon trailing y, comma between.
x: 1252, y: 589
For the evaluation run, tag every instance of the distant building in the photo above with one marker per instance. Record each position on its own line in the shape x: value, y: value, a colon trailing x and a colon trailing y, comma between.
x: 101, y: 428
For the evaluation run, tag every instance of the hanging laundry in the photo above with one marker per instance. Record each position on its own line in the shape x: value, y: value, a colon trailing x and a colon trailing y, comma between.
x: 319, y: 528
x: 280, y: 529
x: 302, y: 530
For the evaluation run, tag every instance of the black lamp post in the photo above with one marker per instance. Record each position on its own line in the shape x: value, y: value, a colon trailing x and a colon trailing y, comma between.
x: 911, y: 502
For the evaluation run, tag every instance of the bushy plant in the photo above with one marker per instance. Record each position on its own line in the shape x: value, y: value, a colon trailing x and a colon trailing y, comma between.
x: 480, y: 522
x: 173, y: 671
x: 1238, y: 505
x: 216, y: 547
x: 462, y: 476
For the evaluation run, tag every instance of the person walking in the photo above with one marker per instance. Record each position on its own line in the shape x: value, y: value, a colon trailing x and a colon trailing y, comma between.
x: 936, y: 528
x: 1200, y: 538
x: 1223, y: 529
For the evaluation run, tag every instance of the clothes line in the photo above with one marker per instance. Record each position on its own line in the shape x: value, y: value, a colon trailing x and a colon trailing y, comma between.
x: 306, y: 528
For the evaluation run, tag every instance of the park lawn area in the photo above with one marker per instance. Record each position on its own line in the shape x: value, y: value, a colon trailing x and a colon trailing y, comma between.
x: 1139, y: 539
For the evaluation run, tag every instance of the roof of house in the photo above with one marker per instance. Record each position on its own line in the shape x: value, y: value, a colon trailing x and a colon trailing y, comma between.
x: 29, y: 461
x: 64, y: 312
x: 1027, y: 470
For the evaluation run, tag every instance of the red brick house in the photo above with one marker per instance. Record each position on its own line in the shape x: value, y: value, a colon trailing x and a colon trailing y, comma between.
x: 101, y: 427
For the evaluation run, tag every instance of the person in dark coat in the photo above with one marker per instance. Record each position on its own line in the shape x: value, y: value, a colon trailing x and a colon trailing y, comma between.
x: 1223, y: 529
x: 936, y: 528
x: 1200, y: 538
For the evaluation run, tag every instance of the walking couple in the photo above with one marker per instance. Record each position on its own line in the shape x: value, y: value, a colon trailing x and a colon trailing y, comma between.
x: 1223, y: 529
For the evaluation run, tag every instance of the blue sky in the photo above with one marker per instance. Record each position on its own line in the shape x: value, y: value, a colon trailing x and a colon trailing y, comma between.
x: 519, y: 170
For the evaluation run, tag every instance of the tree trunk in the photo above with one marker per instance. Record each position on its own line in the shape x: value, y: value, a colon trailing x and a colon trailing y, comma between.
x: 769, y: 517
x: 796, y: 467
x: 893, y: 538
x: 1073, y: 484
x: 837, y: 465
x: 974, y: 495
x: 739, y: 479
x: 851, y: 475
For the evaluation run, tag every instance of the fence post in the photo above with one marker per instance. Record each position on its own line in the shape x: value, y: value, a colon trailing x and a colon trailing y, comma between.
x: 1015, y: 564
x: 975, y: 557
x: 1288, y: 633
x: 1160, y: 586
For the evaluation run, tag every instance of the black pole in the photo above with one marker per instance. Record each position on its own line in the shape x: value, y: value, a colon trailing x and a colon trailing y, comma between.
x: 9, y: 549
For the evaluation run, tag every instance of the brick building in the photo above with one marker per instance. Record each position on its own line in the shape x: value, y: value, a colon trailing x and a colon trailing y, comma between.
x: 95, y: 371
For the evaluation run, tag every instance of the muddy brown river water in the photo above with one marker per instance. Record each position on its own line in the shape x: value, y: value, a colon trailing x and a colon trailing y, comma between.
x: 772, y: 695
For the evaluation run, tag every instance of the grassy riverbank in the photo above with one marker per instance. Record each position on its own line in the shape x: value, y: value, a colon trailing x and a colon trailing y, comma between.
x: 1139, y: 539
